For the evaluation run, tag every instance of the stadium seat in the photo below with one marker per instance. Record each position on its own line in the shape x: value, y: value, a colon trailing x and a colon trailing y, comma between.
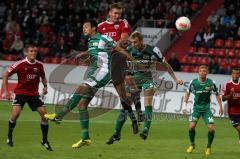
x: 47, y: 60
x: 234, y: 63
x: 231, y: 53
x: 237, y: 44
x: 184, y: 60
x: 229, y: 43
x: 194, y: 60
x: 194, y: 69
x: 185, y: 68
x: 211, y: 52
x: 221, y: 52
x: 202, y: 50
x: 218, y: 43
x: 204, y: 61
x: 192, y: 50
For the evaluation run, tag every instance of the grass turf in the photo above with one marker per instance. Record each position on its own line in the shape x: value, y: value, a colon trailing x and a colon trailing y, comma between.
x: 168, y: 139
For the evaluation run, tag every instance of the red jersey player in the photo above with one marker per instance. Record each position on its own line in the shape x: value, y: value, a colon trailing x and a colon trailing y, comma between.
x: 29, y: 72
x: 231, y: 94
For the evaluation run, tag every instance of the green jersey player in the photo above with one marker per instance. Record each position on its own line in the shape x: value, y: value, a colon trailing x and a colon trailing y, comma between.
x: 143, y: 52
x: 202, y: 88
x: 100, y: 48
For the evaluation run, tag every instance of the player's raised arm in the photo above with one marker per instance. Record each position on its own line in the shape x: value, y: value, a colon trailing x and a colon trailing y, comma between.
x: 171, y: 72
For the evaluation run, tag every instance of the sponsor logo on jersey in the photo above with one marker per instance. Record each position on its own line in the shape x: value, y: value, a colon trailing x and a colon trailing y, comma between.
x: 31, y: 76
x: 111, y: 34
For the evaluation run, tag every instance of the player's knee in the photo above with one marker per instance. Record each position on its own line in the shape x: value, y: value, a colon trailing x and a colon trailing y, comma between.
x: 44, y: 121
x: 211, y: 129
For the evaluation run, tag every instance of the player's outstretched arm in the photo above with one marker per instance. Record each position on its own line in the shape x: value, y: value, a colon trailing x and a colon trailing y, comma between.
x: 5, y: 85
x: 171, y: 72
x: 185, y: 101
x: 220, y: 104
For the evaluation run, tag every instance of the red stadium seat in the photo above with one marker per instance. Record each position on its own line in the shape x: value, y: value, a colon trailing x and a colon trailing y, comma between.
x: 218, y: 43
x: 229, y: 43
x: 202, y: 50
x: 221, y: 52
x: 237, y: 44
x: 193, y: 60
x: 46, y: 60
x: 192, y: 50
x: 234, y: 63
x: 194, y: 69
x: 184, y: 60
x: 231, y: 53
x: 204, y: 61
x: 185, y: 68
x: 211, y: 52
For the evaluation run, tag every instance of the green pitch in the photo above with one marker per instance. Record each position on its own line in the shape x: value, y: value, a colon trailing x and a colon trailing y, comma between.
x: 168, y: 139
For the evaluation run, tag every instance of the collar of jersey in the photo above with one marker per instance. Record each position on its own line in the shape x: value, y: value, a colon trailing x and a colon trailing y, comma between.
x: 235, y: 83
x: 31, y: 63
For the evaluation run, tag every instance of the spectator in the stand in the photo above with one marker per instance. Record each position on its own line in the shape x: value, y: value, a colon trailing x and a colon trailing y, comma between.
x: 17, y: 45
x: 221, y: 11
x: 208, y: 38
x: 213, y: 66
x: 174, y: 62
x: 62, y: 47
x: 198, y: 38
x: 3, y: 9
x: 213, y: 18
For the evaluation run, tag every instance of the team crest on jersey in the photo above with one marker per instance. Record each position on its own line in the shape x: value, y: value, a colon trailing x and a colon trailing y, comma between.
x: 116, y: 26
x: 104, y: 29
x: 35, y: 69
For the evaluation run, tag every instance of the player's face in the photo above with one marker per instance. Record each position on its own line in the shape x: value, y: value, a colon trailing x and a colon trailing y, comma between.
x: 136, y: 43
x: 31, y: 53
x: 115, y: 14
x: 202, y: 72
x: 235, y: 75
x: 87, y: 29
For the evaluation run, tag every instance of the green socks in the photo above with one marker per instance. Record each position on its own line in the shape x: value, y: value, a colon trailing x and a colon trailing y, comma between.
x: 72, y: 103
x: 84, y: 123
x: 120, y: 122
x: 148, y: 118
x: 210, y: 138
x: 192, y: 136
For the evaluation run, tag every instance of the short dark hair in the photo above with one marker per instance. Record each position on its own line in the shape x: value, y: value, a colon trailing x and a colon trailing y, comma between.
x: 92, y: 22
x: 116, y: 6
x: 29, y: 46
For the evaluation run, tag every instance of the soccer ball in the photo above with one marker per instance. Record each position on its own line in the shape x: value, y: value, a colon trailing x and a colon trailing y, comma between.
x: 183, y: 24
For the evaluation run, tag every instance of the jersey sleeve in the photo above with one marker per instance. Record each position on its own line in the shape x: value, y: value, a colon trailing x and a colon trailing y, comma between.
x: 158, y: 54
x: 13, y: 69
x: 125, y: 27
x: 109, y: 43
x: 214, y: 88
x: 99, y: 28
x: 190, y: 87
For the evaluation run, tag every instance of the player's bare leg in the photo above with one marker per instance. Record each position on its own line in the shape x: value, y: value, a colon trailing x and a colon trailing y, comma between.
x: 16, y: 111
x: 148, y: 97
x: 238, y: 130
x: 211, y: 133
x: 44, y: 128
x: 192, y: 133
